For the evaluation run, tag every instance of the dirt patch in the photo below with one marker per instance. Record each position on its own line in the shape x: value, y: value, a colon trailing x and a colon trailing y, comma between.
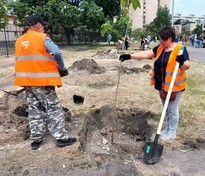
x: 107, y: 54
x: 130, y: 126
x: 91, y: 123
x: 14, y: 117
x: 94, y: 131
x: 198, y: 143
x: 87, y: 64
x: 132, y: 70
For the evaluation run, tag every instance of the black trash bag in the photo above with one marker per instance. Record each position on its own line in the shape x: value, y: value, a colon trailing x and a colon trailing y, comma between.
x: 78, y: 99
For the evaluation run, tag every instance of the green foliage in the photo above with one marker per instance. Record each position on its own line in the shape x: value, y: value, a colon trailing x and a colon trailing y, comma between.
x: 162, y: 19
x: 91, y: 15
x: 20, y: 9
x: 118, y: 28
x: 110, y: 8
x: 127, y: 3
x: 137, y: 33
x: 59, y: 14
x: 34, y: 3
x: 2, y: 8
x: 107, y: 28
x: 122, y: 22
x: 198, y: 30
x: 3, y: 19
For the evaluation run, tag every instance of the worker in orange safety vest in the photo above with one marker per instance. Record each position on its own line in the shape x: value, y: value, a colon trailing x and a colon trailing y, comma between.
x: 39, y: 67
x: 166, y: 55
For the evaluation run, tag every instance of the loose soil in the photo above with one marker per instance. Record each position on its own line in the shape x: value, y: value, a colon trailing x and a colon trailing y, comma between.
x: 94, y: 75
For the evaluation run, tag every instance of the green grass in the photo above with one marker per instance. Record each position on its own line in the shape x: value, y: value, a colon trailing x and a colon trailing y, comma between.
x: 193, y: 100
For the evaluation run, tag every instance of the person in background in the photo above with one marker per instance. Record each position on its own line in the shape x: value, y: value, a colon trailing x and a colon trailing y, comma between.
x: 167, y: 54
x: 39, y: 67
x: 126, y: 43
x: 176, y: 39
x: 142, y: 42
x: 109, y: 38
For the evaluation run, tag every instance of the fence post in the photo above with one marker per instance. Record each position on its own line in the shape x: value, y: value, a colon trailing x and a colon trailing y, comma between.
x: 7, y: 52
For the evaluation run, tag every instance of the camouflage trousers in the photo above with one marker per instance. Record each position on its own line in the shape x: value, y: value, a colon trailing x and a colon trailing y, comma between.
x: 45, y: 111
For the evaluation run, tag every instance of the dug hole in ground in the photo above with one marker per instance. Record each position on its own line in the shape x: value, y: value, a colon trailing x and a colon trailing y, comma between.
x: 93, y: 74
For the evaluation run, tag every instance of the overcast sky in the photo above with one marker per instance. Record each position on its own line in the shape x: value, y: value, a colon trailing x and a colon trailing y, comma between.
x: 186, y: 7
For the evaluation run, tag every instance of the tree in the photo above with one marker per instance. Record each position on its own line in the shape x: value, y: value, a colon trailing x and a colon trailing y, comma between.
x: 116, y: 29
x: 108, y: 28
x: 137, y: 33
x: 61, y: 15
x: 110, y: 8
x: 162, y: 19
x: 20, y: 9
x: 126, y: 4
x: 3, y: 18
x: 198, y: 30
x: 91, y: 15
x: 64, y: 14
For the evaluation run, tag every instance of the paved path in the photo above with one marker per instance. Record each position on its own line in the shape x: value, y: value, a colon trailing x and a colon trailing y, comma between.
x: 197, y: 54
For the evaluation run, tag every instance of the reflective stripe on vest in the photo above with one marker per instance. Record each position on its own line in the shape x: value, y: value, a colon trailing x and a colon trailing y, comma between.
x: 36, y: 75
x: 35, y: 57
x: 171, y: 73
x: 176, y: 82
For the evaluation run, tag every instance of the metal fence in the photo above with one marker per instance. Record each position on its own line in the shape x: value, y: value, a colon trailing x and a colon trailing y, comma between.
x: 10, y: 33
x: 8, y: 36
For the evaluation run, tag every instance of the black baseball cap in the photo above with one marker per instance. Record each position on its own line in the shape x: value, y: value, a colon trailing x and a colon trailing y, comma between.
x: 34, y: 19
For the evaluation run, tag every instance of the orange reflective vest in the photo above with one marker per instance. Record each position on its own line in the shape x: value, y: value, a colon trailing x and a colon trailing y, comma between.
x: 180, y: 81
x: 34, y: 66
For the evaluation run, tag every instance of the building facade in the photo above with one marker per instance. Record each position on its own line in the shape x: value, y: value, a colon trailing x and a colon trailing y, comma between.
x: 11, y: 31
x: 148, y: 11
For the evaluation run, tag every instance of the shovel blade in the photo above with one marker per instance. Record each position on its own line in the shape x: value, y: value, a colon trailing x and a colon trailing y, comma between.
x: 152, y: 155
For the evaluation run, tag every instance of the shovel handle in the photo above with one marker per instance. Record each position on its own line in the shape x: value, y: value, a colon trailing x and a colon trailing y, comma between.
x: 167, y: 98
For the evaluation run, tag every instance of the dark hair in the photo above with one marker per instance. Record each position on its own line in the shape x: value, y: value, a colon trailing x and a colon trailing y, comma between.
x: 167, y: 32
x: 34, y: 19
x: 25, y: 29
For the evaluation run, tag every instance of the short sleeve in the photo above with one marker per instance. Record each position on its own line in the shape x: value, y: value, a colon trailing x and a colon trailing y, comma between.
x: 155, y: 50
x: 186, y: 54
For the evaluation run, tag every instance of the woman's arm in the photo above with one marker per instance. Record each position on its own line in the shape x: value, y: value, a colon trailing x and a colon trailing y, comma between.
x: 143, y: 55
x: 186, y: 65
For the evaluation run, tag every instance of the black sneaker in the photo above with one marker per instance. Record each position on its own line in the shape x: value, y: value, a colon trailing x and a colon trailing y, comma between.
x: 63, y: 143
x: 35, y: 145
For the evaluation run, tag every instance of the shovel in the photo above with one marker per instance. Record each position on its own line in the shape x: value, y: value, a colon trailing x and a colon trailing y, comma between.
x: 153, y: 150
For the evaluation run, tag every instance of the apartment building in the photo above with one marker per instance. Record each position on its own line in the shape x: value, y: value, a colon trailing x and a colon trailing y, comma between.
x: 144, y: 15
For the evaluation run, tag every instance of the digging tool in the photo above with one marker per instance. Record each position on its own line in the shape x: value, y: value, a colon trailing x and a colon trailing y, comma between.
x: 14, y: 94
x: 153, y: 150
x: 115, y: 106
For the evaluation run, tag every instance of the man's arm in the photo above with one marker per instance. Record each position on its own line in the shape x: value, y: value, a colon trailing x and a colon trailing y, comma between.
x: 53, y: 49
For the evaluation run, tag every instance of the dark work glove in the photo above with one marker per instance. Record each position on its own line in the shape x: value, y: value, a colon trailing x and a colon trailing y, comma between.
x: 63, y: 72
x: 124, y: 57
x: 180, y: 59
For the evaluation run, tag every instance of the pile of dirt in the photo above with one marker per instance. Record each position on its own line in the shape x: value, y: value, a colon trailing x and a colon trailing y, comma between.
x: 87, y: 64
x: 107, y: 54
x: 14, y: 126
x: 132, y: 70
